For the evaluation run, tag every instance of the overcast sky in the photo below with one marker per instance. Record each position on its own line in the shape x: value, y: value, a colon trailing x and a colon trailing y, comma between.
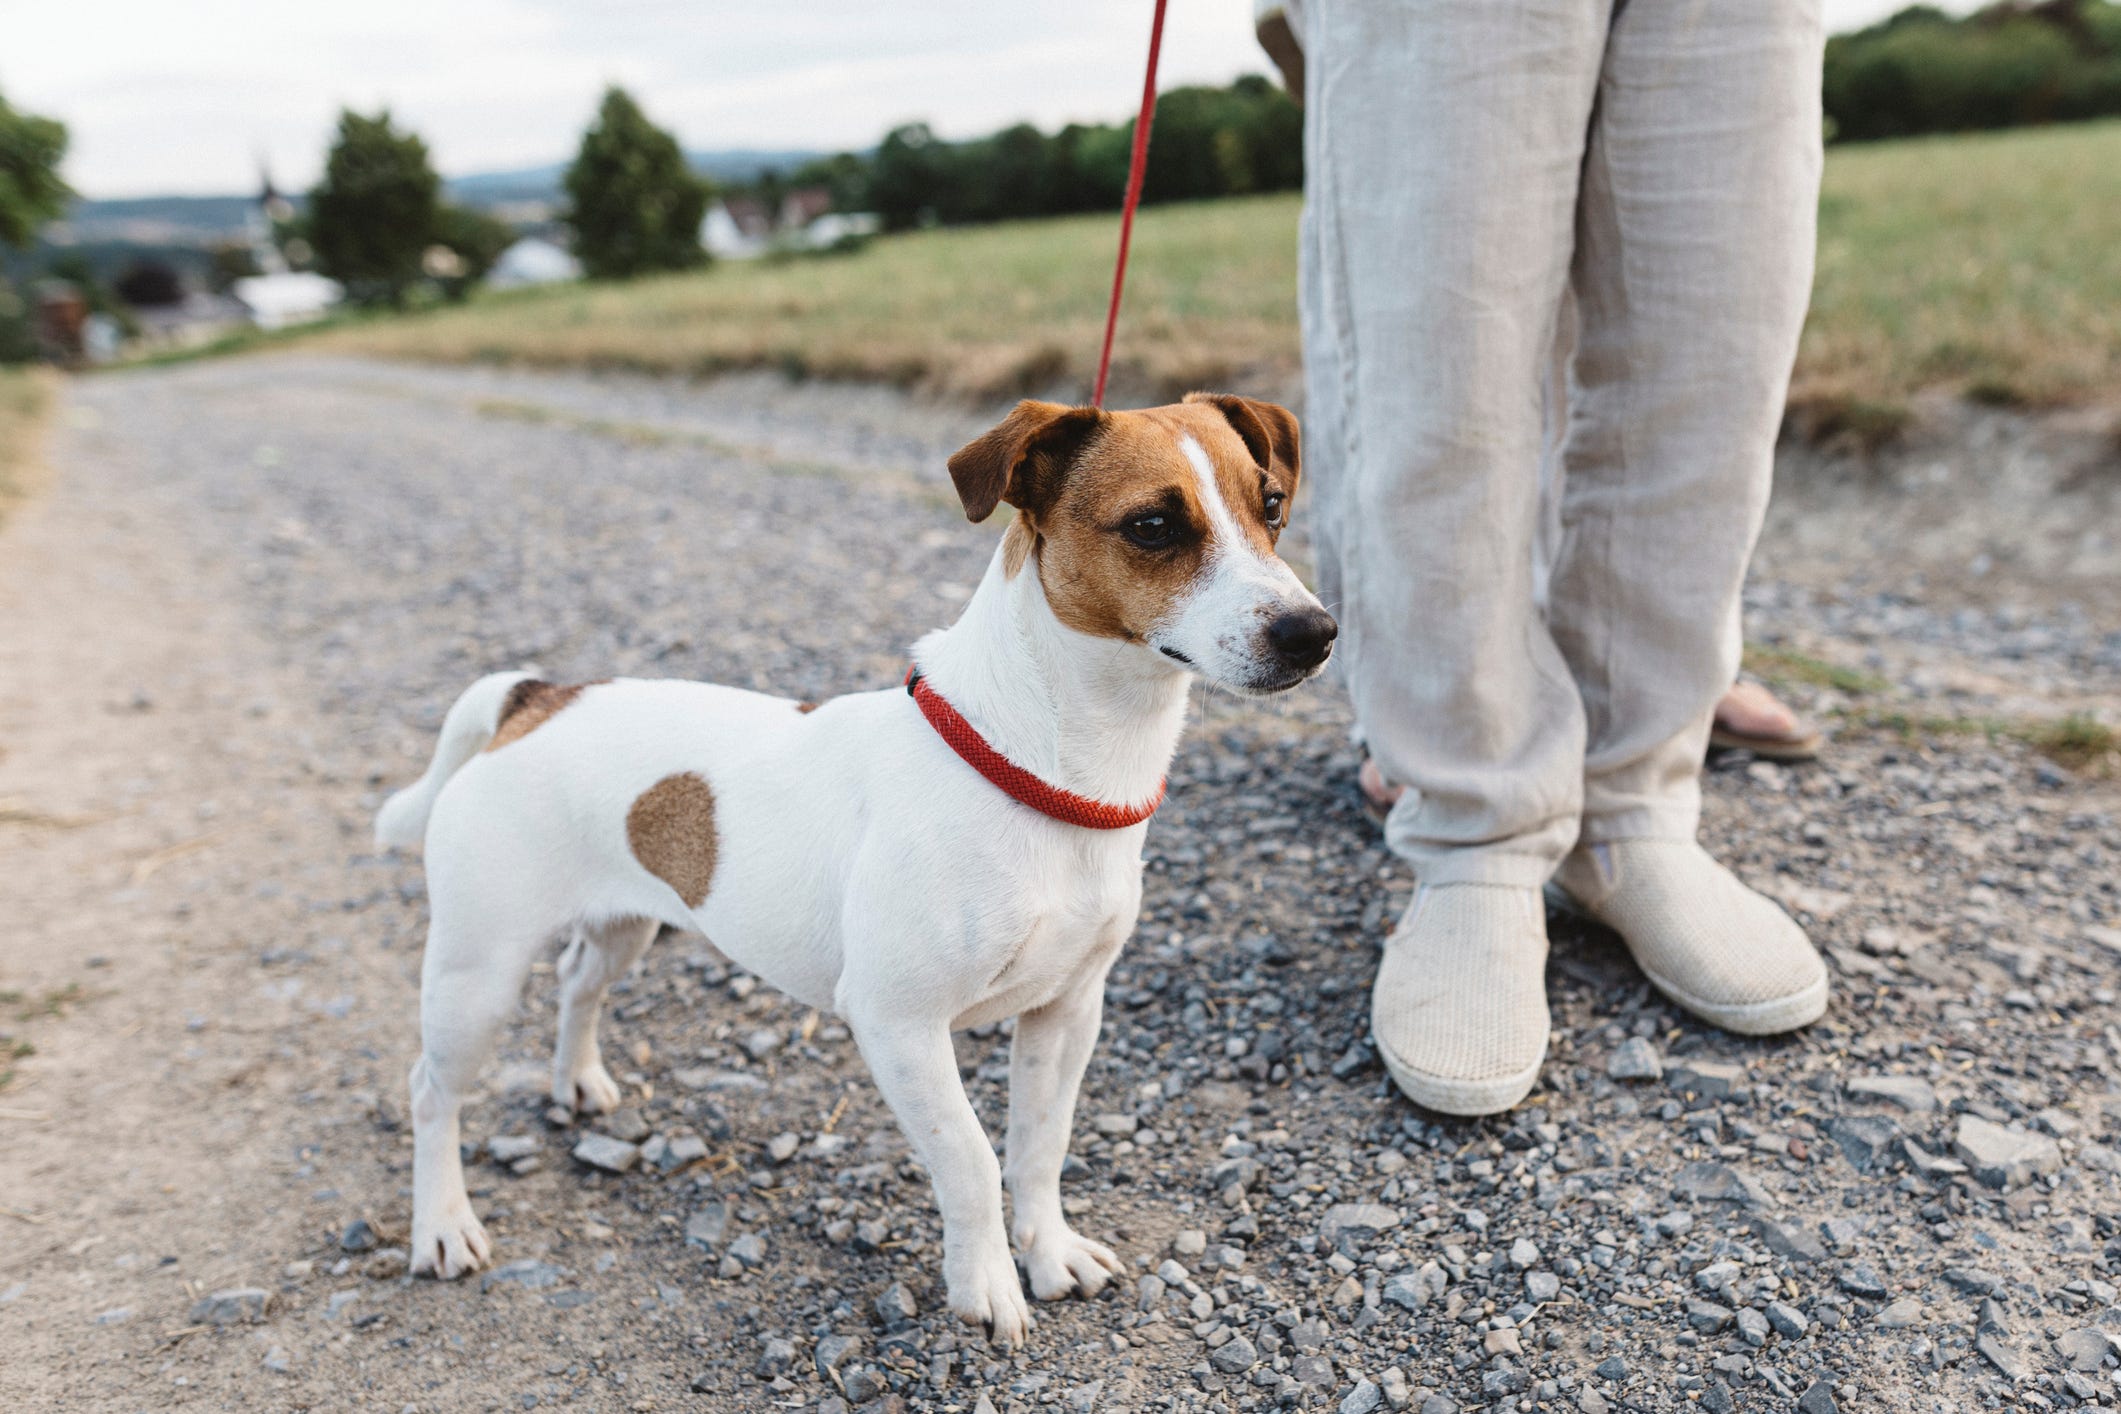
x: 186, y: 95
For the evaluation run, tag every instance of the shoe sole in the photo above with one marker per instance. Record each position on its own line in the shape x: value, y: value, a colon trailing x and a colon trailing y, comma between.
x: 1464, y: 1099
x: 1772, y: 1017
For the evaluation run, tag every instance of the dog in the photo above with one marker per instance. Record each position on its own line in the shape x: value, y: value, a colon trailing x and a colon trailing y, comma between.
x: 917, y: 861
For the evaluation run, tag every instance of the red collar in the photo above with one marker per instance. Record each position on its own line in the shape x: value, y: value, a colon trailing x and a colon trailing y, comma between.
x: 1013, y: 780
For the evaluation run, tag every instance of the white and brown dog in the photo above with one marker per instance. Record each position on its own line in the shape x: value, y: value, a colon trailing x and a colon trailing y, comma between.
x: 915, y: 860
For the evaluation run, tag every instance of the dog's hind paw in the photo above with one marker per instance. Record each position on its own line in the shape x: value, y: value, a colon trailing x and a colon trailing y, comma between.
x: 990, y: 1295
x: 1068, y: 1264
x: 450, y: 1246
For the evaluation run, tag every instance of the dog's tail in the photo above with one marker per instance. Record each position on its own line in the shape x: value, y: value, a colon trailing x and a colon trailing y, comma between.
x: 470, y: 725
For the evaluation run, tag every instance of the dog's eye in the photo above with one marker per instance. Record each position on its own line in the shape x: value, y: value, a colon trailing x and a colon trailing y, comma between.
x: 1277, y: 509
x: 1151, y: 532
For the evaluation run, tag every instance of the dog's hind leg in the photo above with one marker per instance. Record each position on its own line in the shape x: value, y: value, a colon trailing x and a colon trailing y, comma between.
x: 592, y: 961
x: 469, y: 982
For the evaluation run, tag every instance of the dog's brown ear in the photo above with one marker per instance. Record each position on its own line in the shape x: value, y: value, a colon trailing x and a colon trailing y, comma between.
x: 1021, y: 460
x: 1269, y: 433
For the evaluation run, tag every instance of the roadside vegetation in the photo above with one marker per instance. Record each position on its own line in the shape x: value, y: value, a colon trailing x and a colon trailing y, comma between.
x: 25, y: 400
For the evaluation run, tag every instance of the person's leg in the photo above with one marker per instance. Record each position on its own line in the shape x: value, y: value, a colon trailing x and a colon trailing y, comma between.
x: 1443, y: 147
x: 1693, y: 265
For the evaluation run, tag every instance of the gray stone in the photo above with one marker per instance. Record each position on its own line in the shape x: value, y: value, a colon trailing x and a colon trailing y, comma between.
x: 1933, y: 1166
x: 2087, y: 1349
x: 527, y: 1272
x: 1363, y: 1399
x: 1900, y: 1314
x: 1909, y: 1092
x: 2003, y: 1158
x: 2003, y: 1355
x: 1635, y: 1059
x: 1792, y: 1240
x: 627, y: 1124
x: 602, y: 1151
x: 1863, y: 1280
x: 1712, y: 1080
x: 706, y: 1227
x: 1613, y: 1368
x: 1541, y: 1286
x: 1357, y: 1219
x: 359, y: 1236
x: 1866, y: 1141
x: 1234, y: 1356
x: 1707, y: 1317
x: 1973, y: 1281
x: 231, y: 1306
x: 1787, y: 1320
x: 1524, y: 1253
x: 863, y: 1384
x: 1720, y: 1183
x: 1082, y: 1399
x: 1818, y: 1399
x: 1752, y: 1327
x: 750, y: 1250
x: 834, y: 1351
x: 777, y: 1357
x: 511, y: 1148
x: 1439, y: 1404
x: 895, y: 1305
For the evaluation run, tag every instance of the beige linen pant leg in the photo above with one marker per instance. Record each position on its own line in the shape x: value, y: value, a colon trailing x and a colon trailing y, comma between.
x: 1444, y: 140
x: 1693, y: 268
x: 1467, y: 163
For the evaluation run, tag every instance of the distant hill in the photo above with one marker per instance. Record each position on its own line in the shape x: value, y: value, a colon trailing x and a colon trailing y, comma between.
x: 205, y: 220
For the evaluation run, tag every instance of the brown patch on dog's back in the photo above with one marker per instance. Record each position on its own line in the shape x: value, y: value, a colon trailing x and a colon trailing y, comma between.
x: 670, y: 829
x: 529, y: 705
x: 806, y: 708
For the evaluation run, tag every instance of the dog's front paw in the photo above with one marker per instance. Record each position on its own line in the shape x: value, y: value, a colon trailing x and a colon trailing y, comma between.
x: 986, y: 1292
x: 451, y: 1245
x: 589, y: 1091
x: 1067, y: 1263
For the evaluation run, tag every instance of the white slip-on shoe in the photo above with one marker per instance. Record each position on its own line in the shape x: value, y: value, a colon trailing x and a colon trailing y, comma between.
x: 1459, y: 1012
x: 1711, y: 944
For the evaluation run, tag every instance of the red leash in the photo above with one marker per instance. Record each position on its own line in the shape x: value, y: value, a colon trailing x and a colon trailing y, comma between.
x: 1013, y: 780
x: 1135, y: 169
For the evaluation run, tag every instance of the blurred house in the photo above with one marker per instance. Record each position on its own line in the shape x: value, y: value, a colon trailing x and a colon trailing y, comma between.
x: 743, y: 227
x: 533, y: 260
x: 278, y: 296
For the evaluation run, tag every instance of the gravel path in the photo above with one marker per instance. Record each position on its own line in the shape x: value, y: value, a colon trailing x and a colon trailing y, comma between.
x: 255, y: 587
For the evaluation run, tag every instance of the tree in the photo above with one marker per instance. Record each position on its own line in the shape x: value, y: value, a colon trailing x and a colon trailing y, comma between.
x: 374, y: 213
x: 31, y: 190
x: 634, y: 204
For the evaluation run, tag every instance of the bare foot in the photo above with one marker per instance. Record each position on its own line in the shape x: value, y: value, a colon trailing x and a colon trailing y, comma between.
x: 1752, y: 718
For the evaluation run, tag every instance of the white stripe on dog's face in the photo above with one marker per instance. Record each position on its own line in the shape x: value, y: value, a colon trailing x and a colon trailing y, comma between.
x: 1159, y: 530
x: 1220, y: 626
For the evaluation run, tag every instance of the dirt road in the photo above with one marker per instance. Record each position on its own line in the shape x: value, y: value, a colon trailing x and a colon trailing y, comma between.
x: 238, y: 610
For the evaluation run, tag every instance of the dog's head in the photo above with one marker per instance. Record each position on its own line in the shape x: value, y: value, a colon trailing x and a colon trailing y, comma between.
x: 1158, y: 528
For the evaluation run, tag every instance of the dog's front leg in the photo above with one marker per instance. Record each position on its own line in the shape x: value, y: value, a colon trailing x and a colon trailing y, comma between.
x: 1046, y: 1062
x: 916, y: 1070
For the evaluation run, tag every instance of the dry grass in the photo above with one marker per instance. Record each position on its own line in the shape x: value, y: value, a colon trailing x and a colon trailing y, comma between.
x: 1986, y: 265
x: 999, y: 309
x: 25, y: 399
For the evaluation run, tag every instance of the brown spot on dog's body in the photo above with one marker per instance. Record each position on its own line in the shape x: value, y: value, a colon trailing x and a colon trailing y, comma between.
x: 806, y: 708
x: 670, y: 829
x: 529, y: 705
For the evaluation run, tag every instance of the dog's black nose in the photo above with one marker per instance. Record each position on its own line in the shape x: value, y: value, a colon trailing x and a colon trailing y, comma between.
x: 1303, y: 637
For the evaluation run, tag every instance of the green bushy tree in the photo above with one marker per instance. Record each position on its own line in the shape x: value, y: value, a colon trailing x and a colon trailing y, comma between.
x: 31, y: 189
x: 633, y: 202
x: 375, y: 212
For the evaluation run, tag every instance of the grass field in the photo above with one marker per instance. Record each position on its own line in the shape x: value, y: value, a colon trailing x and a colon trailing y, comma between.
x: 25, y: 398
x: 1987, y: 265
